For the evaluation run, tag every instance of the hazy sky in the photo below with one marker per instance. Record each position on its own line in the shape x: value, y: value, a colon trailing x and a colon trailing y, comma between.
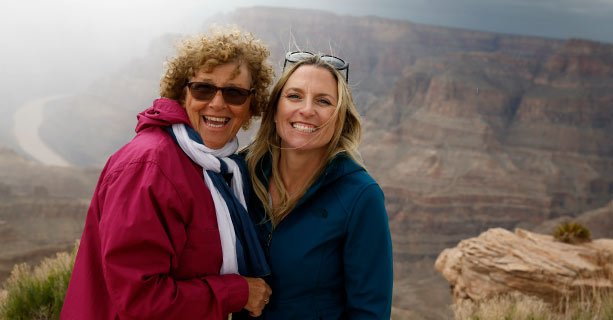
x: 557, y: 18
x: 50, y: 47
x: 52, y: 37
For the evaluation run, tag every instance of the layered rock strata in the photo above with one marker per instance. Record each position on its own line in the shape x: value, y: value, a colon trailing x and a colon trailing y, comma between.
x: 500, y: 262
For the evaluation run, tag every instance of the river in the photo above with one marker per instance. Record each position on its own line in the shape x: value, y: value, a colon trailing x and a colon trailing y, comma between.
x: 26, y: 125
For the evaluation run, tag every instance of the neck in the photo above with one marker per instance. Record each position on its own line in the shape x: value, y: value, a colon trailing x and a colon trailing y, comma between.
x: 297, y: 168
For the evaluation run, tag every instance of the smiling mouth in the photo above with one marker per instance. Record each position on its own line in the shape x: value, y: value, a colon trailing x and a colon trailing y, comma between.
x: 215, y: 122
x: 302, y: 127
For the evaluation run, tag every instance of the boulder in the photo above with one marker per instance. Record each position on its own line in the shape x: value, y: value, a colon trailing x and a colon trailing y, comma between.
x: 499, y: 261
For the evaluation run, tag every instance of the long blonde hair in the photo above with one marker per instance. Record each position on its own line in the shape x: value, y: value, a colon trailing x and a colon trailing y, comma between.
x: 346, y: 139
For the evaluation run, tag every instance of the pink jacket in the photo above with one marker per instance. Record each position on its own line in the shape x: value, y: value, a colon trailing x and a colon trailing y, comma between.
x: 150, y: 248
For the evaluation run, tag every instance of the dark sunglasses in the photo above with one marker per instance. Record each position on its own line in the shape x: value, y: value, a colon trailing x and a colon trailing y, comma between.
x: 204, y: 91
x: 336, y: 62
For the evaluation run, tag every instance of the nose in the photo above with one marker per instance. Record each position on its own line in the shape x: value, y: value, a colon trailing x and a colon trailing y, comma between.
x: 217, y: 101
x: 308, y: 108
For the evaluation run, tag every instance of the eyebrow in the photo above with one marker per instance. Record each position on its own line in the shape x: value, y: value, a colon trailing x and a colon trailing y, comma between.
x: 302, y: 91
x: 227, y: 84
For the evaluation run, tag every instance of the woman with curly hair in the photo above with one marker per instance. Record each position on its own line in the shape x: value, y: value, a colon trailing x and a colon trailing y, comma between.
x: 167, y: 235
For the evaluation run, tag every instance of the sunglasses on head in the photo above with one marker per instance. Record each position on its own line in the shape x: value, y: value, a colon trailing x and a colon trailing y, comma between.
x: 336, y: 62
x: 205, y: 91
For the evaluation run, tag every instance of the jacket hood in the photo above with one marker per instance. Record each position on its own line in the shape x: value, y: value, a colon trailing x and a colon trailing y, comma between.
x: 164, y: 112
x: 342, y: 165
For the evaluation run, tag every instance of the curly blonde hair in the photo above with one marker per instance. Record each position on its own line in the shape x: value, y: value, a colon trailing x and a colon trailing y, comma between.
x: 220, y: 46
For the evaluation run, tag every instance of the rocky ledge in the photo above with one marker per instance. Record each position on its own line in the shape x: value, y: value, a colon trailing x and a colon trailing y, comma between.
x: 499, y: 261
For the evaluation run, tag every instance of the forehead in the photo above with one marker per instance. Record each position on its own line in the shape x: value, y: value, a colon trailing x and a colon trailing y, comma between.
x: 226, y: 72
x: 313, y: 77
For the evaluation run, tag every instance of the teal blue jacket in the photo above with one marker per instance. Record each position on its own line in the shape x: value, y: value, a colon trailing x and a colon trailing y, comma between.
x: 331, y: 257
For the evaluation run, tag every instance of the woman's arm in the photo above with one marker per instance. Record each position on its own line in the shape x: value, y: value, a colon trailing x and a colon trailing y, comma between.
x: 367, y: 257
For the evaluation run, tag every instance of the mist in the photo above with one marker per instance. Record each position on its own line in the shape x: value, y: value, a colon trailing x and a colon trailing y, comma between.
x: 64, y: 46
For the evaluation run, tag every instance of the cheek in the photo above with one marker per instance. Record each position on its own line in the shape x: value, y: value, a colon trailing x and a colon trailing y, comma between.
x: 330, y: 118
x: 282, y: 111
x: 243, y: 114
x: 280, y: 120
x: 330, y: 126
x: 189, y: 105
x: 193, y: 112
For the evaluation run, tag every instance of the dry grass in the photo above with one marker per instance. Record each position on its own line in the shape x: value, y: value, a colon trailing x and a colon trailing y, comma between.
x: 597, y: 304
x: 37, y: 293
x: 3, y: 294
x: 514, y: 306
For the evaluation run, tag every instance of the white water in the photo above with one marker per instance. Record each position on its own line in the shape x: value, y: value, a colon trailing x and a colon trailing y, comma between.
x: 26, y: 124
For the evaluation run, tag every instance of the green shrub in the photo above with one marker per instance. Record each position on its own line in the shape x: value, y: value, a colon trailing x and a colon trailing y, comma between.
x: 37, y: 293
x: 572, y: 232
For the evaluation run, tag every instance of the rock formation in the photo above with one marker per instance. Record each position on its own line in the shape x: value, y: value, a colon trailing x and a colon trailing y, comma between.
x: 499, y: 262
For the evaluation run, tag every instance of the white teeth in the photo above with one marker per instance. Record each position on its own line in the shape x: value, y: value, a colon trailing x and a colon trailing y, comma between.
x: 215, y: 122
x: 216, y: 119
x: 303, y: 127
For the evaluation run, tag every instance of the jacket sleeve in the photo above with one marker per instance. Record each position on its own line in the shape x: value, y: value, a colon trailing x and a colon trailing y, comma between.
x: 367, y: 258
x: 142, y: 231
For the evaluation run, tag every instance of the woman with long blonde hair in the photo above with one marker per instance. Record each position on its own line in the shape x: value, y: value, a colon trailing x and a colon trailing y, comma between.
x: 320, y: 215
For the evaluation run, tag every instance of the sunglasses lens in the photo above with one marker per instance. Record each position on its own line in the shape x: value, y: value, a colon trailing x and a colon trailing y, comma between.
x: 206, y: 91
x: 335, y: 62
x: 338, y: 63
x: 202, y: 91
x: 298, y: 56
x: 235, y: 95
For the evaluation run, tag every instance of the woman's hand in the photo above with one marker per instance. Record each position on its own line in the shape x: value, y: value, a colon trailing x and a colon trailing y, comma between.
x: 259, y: 293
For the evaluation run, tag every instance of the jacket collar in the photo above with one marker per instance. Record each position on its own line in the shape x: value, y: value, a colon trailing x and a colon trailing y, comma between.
x: 164, y: 112
x: 340, y: 166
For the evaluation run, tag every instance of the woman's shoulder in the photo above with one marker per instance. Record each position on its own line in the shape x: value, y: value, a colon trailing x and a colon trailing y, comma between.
x: 150, y: 147
x: 352, y: 183
x: 350, y: 173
